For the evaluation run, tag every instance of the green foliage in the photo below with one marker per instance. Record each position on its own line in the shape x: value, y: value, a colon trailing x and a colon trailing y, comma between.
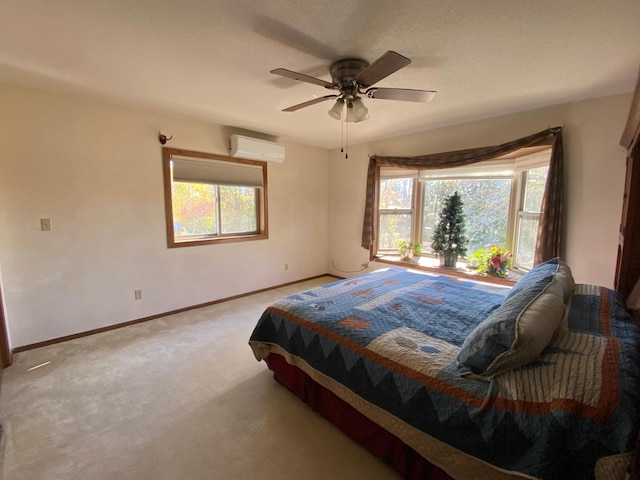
x: 238, y: 209
x: 493, y: 261
x: 407, y: 249
x: 194, y: 208
x: 403, y: 245
x: 486, y: 208
x: 195, y: 211
x: 449, y: 235
x: 395, y: 194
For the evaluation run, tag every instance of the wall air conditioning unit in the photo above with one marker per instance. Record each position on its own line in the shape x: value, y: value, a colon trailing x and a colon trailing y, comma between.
x: 255, y: 149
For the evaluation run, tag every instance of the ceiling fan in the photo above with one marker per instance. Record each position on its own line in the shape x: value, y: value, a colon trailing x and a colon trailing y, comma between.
x: 354, y: 77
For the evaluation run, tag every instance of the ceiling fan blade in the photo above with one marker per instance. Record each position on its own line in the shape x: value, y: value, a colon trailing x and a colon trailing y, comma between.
x: 309, y: 103
x: 383, y: 67
x: 403, y: 94
x: 302, y: 77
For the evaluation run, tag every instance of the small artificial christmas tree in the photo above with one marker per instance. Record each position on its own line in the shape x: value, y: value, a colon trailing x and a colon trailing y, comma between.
x: 449, y: 239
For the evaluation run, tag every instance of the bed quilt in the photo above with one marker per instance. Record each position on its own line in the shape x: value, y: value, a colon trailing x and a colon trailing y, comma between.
x: 391, y: 337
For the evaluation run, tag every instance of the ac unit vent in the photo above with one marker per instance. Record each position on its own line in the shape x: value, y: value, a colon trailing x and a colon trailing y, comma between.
x: 256, y: 149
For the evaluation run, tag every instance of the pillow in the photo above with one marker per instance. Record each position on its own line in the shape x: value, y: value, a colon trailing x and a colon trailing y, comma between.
x: 540, y: 271
x: 519, y: 330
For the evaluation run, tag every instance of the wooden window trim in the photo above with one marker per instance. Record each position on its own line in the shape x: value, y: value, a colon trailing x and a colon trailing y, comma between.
x: 261, y: 201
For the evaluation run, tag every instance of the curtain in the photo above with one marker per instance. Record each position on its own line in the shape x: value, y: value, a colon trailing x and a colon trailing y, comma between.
x: 548, y: 241
x: 550, y: 226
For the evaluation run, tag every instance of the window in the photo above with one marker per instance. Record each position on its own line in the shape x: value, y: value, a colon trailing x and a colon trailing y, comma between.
x: 531, y: 183
x: 396, y: 211
x: 213, y: 198
x: 502, y: 200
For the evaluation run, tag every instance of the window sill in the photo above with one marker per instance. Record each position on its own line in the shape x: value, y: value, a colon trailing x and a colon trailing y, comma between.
x: 432, y: 265
x: 191, y: 241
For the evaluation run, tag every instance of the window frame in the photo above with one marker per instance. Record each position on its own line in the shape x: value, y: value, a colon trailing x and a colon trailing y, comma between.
x: 523, y: 162
x: 402, y: 211
x: 528, y: 163
x: 262, y: 232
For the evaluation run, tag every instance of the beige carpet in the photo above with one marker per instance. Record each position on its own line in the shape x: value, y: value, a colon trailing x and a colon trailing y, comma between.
x: 180, y: 397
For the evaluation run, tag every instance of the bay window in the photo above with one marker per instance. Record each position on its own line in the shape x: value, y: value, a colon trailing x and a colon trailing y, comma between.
x: 502, y: 201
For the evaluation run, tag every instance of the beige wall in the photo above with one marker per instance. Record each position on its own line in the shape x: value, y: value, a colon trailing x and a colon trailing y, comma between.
x: 95, y: 170
x: 594, y: 169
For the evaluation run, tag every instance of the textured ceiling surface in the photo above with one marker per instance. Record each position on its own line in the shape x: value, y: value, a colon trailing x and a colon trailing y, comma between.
x: 211, y: 59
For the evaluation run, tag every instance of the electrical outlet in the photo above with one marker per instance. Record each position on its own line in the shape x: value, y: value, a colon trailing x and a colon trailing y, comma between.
x: 286, y: 267
x: 138, y: 294
x: 45, y: 224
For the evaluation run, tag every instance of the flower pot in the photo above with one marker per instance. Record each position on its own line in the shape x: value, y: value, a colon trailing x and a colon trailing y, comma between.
x: 406, y: 255
x: 500, y: 270
x: 449, y: 261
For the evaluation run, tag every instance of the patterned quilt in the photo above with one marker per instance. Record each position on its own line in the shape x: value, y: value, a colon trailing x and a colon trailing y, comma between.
x: 388, y: 342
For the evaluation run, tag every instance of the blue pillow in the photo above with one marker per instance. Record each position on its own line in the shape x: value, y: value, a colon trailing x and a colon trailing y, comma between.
x: 540, y: 271
x: 519, y: 330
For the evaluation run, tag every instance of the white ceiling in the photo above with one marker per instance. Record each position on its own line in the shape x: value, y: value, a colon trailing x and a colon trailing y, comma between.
x: 211, y: 59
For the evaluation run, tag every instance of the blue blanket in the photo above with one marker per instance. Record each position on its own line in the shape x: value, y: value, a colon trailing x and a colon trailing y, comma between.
x: 391, y: 338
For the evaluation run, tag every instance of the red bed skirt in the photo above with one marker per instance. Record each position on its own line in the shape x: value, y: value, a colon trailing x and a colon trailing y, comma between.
x: 386, y: 446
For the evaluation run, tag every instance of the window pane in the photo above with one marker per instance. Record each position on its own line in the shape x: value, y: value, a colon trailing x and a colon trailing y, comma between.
x: 238, y: 209
x: 486, y: 206
x: 210, y: 199
x: 396, y: 193
x: 393, y: 228
x: 534, y: 188
x: 194, y: 209
x: 527, y: 232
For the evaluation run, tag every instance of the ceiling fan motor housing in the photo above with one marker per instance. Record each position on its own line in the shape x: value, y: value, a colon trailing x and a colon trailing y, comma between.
x: 343, y: 73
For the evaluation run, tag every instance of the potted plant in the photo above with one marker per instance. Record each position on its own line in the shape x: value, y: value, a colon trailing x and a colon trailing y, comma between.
x: 449, y: 239
x: 417, y: 249
x: 405, y: 250
x: 493, y: 261
x: 408, y: 250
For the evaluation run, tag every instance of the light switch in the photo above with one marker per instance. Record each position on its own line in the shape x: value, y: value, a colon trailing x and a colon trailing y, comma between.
x: 45, y: 224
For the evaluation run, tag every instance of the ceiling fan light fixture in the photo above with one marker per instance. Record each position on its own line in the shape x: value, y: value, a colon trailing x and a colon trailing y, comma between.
x: 356, y: 111
x: 336, y: 110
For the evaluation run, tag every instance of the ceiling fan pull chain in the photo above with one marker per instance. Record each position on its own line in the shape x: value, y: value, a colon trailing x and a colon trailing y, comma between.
x: 342, y: 123
x: 346, y: 143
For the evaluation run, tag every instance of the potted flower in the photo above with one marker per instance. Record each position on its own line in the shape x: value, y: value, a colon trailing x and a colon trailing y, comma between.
x: 408, y: 250
x: 449, y: 239
x: 493, y: 261
x: 405, y: 250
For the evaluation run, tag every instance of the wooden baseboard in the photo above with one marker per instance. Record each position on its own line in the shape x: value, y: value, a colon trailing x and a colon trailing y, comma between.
x: 53, y: 341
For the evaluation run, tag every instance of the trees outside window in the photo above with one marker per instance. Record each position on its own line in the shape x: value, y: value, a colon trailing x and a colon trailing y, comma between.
x: 202, y: 209
x: 486, y: 207
x: 396, y: 211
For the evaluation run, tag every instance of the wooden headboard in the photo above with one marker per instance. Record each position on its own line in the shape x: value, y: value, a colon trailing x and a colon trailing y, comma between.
x: 628, y: 262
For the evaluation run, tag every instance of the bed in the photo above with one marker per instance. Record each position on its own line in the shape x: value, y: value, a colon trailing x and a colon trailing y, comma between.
x: 447, y: 378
